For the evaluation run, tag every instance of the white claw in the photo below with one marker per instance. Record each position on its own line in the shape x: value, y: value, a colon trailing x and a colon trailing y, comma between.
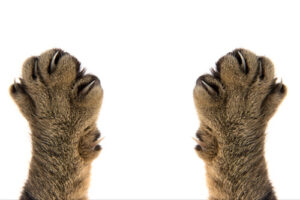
x: 280, y: 83
x: 244, y: 67
x: 15, y: 83
x: 208, y: 87
x: 198, y: 142
x: 86, y: 89
x: 100, y: 139
x: 52, y: 65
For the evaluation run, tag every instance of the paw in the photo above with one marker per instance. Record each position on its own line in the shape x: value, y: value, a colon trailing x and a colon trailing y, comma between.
x: 53, y: 87
x: 58, y: 99
x: 241, y: 90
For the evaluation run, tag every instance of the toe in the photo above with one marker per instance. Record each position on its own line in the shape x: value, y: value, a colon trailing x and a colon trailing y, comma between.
x: 89, y: 148
x: 88, y: 91
x: 65, y: 71
x: 58, y: 67
x: 211, y: 85
x: 238, y: 68
x: 30, y: 71
x: 247, y: 62
x: 22, y: 99
x: 207, y: 147
x: 230, y: 71
x: 44, y: 64
x: 273, y: 100
x: 265, y: 70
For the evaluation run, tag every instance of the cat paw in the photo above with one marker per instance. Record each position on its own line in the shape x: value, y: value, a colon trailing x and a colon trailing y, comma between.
x: 59, y: 100
x: 234, y: 104
x: 241, y: 88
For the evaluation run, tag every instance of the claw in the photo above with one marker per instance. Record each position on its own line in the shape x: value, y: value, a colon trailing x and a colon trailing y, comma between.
x: 87, y: 88
x: 243, y: 65
x: 100, y: 139
x: 215, y: 73
x: 21, y: 81
x: 260, y: 70
x: 280, y: 85
x: 198, y: 142
x: 199, y: 145
x: 208, y: 87
x: 274, y: 81
x: 15, y: 85
x: 35, y: 69
x: 52, y: 66
x: 280, y: 82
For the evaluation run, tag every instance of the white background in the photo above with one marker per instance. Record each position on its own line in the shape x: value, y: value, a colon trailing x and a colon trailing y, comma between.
x: 148, y: 55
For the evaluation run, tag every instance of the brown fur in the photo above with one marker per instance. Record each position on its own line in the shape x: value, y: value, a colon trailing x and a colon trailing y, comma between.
x: 61, y: 105
x: 234, y: 105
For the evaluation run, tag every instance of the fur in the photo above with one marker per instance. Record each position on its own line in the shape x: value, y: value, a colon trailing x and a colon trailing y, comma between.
x: 234, y: 105
x: 61, y: 105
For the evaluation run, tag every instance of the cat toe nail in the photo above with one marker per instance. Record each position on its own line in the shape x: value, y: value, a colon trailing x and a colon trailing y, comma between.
x: 243, y: 64
x: 14, y: 89
x: 260, y: 70
x: 208, y: 87
x: 35, y: 69
x: 88, y: 87
x: 53, y: 63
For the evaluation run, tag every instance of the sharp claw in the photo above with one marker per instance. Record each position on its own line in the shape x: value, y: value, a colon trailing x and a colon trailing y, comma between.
x: 100, y: 139
x: 243, y: 65
x: 15, y: 86
x: 215, y: 73
x: 208, y: 87
x: 87, y: 88
x: 198, y: 142
x: 282, y: 89
x: 280, y: 85
x: 52, y: 66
